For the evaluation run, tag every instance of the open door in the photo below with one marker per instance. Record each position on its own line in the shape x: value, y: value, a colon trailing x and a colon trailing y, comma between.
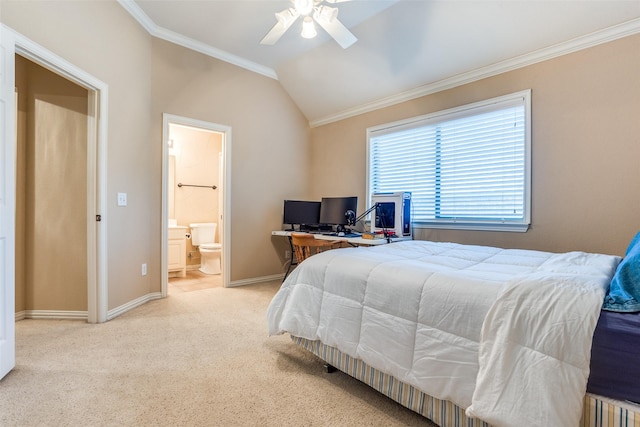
x: 7, y: 202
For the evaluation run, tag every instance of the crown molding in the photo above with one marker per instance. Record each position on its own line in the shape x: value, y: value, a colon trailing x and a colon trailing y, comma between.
x: 189, y: 43
x: 590, y: 40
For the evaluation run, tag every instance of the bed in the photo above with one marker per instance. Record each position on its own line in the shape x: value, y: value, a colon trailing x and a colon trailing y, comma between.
x: 465, y: 335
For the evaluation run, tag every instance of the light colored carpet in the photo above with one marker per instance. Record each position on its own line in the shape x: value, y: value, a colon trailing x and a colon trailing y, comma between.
x: 199, y: 358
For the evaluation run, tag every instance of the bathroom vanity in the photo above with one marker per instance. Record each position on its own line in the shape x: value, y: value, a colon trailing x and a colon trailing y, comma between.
x: 177, y: 251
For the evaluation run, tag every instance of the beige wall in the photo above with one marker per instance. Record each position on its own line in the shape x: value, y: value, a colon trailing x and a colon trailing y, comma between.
x: 585, y: 141
x: 269, y: 145
x: 270, y: 137
x: 585, y: 149
x: 51, y: 246
x: 102, y: 39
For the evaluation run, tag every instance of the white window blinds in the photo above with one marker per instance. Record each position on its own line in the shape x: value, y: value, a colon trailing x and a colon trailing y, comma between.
x: 466, y: 168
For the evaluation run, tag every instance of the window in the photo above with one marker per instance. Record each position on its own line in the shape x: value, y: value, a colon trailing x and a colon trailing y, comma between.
x: 467, y: 167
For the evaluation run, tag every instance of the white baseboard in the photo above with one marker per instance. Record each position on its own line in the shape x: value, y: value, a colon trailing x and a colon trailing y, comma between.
x: 83, y: 315
x: 51, y: 314
x: 256, y: 280
x: 132, y: 304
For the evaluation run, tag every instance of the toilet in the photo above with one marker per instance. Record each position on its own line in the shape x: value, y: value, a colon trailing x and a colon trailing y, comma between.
x: 203, y: 235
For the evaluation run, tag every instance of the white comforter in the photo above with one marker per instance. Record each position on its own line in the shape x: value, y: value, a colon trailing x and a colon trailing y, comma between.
x: 503, y: 333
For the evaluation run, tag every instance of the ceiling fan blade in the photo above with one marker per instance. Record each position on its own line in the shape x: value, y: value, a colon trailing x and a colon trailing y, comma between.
x: 286, y: 18
x: 339, y: 32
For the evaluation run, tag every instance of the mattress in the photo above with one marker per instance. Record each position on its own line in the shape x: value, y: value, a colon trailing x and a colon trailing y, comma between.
x: 460, y: 323
x: 615, y: 356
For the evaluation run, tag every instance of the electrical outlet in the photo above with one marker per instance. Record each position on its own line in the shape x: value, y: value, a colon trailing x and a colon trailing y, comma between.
x: 287, y: 254
x: 144, y: 269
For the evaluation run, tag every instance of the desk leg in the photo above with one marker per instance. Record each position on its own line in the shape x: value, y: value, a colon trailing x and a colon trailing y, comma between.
x: 291, y: 260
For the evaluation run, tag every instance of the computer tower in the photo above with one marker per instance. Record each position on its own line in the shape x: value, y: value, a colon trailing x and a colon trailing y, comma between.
x: 392, y: 213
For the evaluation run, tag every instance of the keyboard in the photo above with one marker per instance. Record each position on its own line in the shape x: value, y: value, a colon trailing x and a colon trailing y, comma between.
x: 333, y: 233
x: 352, y: 235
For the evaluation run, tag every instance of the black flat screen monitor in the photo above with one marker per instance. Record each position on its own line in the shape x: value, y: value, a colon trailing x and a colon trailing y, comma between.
x: 334, y: 210
x: 303, y: 213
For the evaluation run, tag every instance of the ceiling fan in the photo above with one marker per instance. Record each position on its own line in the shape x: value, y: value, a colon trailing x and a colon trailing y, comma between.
x: 311, y: 10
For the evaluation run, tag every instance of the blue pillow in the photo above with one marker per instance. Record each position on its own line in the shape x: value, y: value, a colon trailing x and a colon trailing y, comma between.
x: 624, y: 291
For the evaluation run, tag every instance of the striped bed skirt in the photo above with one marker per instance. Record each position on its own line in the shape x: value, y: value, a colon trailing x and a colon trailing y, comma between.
x: 598, y: 411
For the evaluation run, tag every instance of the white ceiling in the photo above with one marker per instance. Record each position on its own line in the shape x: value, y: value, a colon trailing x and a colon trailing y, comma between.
x: 405, y: 48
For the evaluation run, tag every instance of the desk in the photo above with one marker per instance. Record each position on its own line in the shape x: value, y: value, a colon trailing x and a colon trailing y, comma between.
x: 357, y: 241
x: 354, y: 241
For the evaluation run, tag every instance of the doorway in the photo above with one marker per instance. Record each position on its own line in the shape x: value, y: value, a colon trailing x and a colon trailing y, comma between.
x: 195, y: 189
x: 95, y: 163
x: 51, y: 196
x: 12, y: 43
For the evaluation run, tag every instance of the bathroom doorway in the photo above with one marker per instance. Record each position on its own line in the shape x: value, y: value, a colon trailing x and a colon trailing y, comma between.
x: 195, y: 181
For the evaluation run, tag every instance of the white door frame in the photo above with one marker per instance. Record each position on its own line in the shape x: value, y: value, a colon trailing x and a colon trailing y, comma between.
x: 7, y: 202
x: 97, y: 305
x: 225, y: 231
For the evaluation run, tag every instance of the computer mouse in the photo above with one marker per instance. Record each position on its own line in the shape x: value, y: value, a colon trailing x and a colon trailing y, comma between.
x: 341, y: 234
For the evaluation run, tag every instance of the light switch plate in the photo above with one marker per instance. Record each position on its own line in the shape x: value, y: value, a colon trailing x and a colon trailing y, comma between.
x: 122, y: 199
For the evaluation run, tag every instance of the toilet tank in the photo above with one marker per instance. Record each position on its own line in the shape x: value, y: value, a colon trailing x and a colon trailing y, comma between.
x: 203, y: 232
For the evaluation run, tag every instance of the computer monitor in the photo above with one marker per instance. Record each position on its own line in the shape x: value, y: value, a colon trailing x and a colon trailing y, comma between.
x: 338, y: 210
x: 302, y: 213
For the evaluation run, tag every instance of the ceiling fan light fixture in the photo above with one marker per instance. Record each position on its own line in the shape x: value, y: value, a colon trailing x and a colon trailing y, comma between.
x: 312, y: 12
x: 304, y: 7
x: 308, y: 28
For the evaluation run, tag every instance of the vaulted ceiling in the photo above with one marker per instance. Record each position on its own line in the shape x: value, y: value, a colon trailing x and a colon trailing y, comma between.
x: 405, y: 48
